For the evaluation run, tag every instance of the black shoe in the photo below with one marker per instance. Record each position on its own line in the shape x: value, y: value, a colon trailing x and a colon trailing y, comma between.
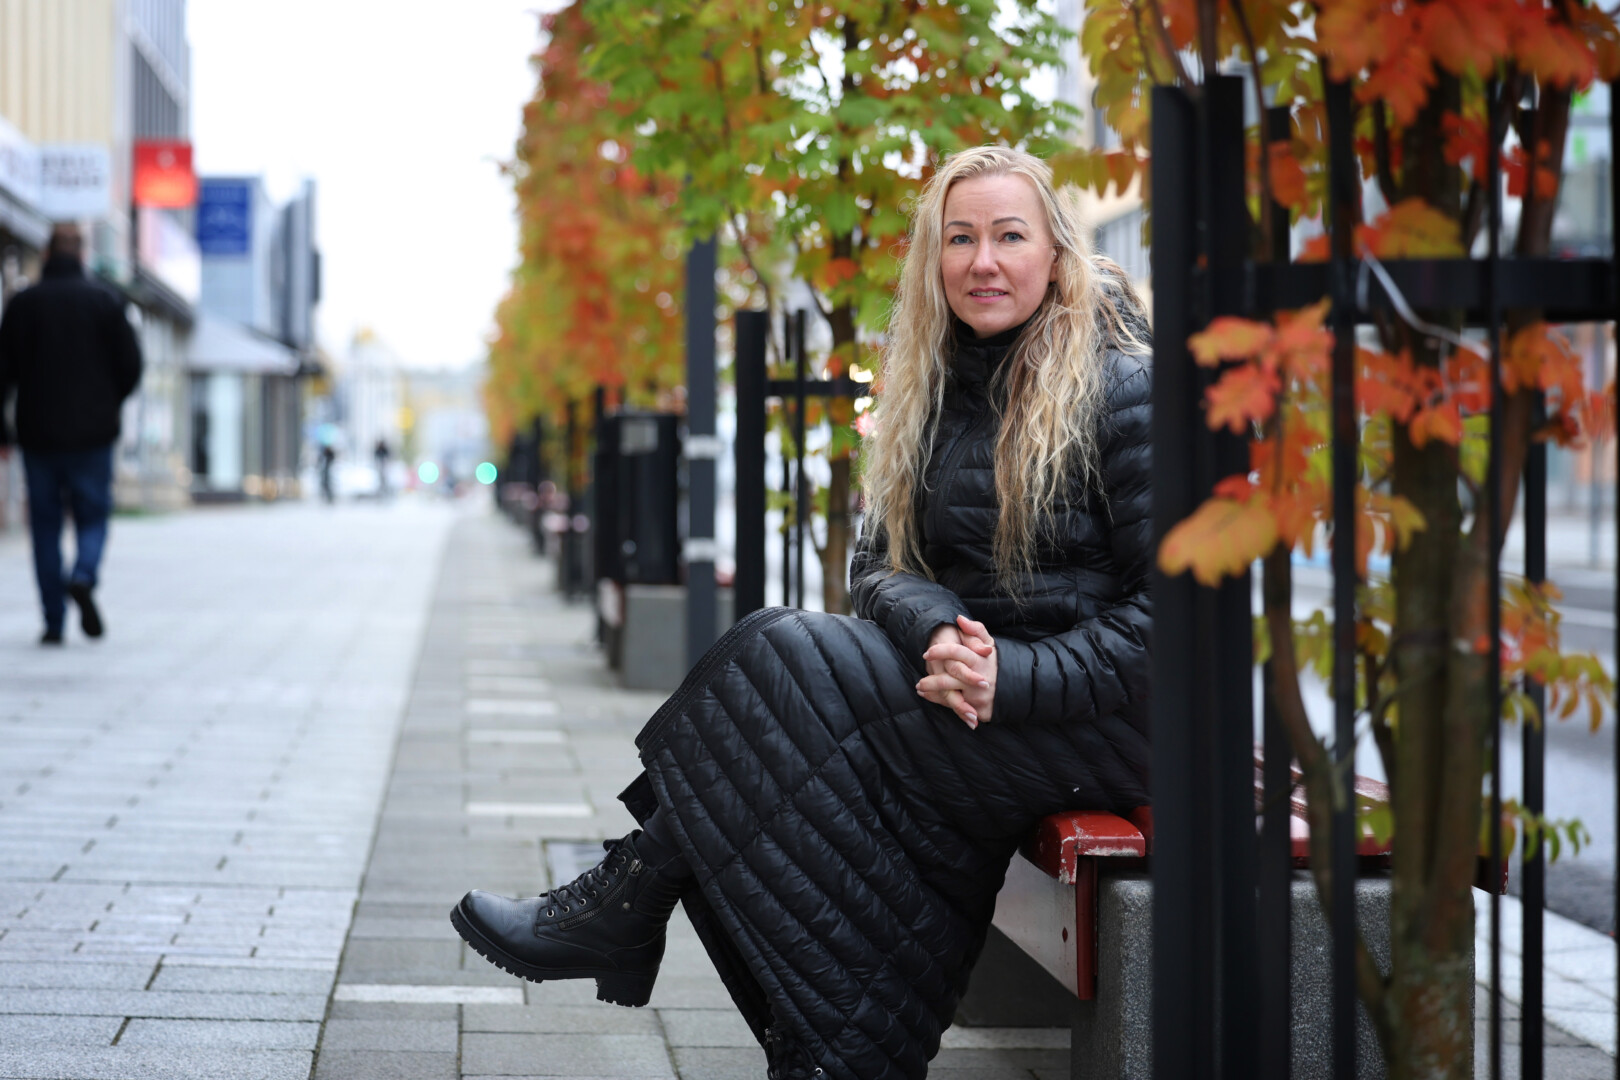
x: 51, y: 637
x: 787, y: 1060
x: 607, y: 924
x: 89, y: 617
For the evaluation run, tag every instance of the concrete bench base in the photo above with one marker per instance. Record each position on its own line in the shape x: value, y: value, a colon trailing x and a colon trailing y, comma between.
x: 652, y: 639
x: 1113, y: 1035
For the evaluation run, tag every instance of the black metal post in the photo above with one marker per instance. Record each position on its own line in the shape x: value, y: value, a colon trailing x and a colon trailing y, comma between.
x: 1614, y: 300
x: 801, y: 485
x: 567, y: 562
x: 787, y: 529
x: 1275, y: 871
x: 1228, y: 231
x: 702, y: 450
x: 1533, y: 883
x: 1342, y: 185
x: 1184, y: 945
x: 1495, y: 523
x: 753, y: 327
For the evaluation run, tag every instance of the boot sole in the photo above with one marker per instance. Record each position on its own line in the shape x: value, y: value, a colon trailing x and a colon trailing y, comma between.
x: 615, y: 988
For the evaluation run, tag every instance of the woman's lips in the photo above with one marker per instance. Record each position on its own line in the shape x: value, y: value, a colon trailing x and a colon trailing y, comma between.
x: 985, y: 296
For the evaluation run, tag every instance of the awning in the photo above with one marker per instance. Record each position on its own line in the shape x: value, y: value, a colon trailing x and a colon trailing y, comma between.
x: 221, y: 345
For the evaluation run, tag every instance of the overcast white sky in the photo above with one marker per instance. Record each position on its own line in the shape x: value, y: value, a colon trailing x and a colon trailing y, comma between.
x: 399, y: 110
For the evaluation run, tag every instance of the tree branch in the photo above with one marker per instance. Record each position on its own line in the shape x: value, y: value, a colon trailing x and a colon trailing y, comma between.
x: 1265, y: 136
x: 1386, y: 167
x: 1169, y: 46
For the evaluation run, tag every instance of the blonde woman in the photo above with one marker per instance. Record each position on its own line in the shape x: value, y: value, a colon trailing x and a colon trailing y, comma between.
x: 835, y: 800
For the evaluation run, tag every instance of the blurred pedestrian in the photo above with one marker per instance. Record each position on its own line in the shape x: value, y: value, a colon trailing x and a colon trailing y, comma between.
x: 328, y: 459
x: 835, y: 800
x: 70, y: 354
x: 381, y: 454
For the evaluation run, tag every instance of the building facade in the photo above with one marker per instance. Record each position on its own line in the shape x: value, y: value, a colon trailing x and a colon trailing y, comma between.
x: 255, y: 343
x: 81, y: 82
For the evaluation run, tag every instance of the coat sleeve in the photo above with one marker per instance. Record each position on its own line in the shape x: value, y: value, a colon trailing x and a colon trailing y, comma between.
x: 8, y: 370
x: 907, y: 606
x: 1089, y: 671
x: 123, y: 349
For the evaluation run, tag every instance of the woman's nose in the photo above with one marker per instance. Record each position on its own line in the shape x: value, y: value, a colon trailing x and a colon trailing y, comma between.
x: 984, y: 260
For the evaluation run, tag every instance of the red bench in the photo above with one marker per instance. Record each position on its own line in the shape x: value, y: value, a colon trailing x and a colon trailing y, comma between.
x: 1048, y: 907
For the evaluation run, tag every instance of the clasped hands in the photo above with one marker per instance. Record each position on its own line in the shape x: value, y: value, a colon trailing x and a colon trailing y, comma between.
x: 961, y: 662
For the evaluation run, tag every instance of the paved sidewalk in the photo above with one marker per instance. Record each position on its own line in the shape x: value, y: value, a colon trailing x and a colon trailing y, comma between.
x: 515, y: 743
x: 187, y: 805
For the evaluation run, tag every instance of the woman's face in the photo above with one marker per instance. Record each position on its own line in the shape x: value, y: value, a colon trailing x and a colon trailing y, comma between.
x: 998, y: 257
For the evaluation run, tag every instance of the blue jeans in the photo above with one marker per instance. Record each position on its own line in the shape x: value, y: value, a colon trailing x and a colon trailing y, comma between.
x: 58, y: 480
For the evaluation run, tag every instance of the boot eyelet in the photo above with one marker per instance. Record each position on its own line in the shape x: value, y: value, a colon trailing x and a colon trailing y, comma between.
x: 565, y: 909
x: 627, y: 905
x: 551, y: 913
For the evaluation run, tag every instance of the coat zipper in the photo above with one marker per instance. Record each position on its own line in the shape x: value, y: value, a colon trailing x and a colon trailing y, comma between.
x: 697, y: 680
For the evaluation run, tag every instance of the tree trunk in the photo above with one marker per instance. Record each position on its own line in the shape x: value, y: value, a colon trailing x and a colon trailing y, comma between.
x: 1442, y: 708
x: 835, y: 555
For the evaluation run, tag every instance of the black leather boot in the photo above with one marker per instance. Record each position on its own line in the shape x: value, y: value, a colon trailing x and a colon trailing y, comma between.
x: 608, y: 924
x: 786, y: 1059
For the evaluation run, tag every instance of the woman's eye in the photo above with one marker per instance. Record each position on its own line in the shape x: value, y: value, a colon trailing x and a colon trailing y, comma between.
x: 961, y: 238
x: 1012, y: 236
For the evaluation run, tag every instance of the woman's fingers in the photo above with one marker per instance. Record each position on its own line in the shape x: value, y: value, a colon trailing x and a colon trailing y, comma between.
x: 946, y: 653
x: 942, y: 684
x: 953, y: 700
x: 969, y: 626
x: 966, y: 674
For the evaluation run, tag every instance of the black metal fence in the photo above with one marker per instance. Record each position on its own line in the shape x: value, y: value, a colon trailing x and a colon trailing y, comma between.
x: 754, y: 388
x: 1221, y: 900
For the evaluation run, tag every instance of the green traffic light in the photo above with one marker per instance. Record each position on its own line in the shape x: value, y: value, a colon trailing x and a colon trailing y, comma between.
x: 485, y: 472
x: 427, y: 472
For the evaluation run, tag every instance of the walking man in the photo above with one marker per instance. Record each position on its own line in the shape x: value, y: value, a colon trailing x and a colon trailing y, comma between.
x: 72, y: 358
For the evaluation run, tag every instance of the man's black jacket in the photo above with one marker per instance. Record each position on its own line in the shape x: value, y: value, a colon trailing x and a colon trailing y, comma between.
x: 70, y: 354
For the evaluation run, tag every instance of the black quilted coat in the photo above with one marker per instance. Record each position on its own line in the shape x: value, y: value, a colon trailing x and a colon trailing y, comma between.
x: 848, y: 837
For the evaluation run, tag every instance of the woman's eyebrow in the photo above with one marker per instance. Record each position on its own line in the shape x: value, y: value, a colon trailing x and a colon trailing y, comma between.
x: 1020, y: 221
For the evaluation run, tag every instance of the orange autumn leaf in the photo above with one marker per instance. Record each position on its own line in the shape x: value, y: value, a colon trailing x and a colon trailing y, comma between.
x: 1516, y: 165
x: 1303, y: 347
x: 1244, y: 395
x: 1442, y: 422
x: 836, y: 272
x: 1549, y: 49
x: 1384, y: 384
x: 1355, y: 34
x: 1602, y: 39
x: 1220, y: 539
x: 1229, y: 338
x: 1287, y: 175
x: 1412, y: 229
x: 1464, y: 36
x: 1466, y: 140
x: 1403, y: 80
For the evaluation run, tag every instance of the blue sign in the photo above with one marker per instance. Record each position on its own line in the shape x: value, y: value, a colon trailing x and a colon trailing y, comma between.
x: 225, y: 217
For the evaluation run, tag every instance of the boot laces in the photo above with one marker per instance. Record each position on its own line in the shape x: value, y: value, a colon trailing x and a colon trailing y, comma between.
x: 565, y: 899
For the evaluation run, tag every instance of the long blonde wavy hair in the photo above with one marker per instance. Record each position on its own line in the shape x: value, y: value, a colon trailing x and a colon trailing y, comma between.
x: 1052, y: 379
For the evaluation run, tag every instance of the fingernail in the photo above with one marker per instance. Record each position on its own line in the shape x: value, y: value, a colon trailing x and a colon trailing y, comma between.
x: 973, y: 717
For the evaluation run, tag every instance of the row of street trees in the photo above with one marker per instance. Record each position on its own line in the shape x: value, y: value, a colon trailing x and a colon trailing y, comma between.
x: 797, y: 130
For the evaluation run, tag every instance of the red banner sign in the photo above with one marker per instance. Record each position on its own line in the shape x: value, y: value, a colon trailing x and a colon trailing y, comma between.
x: 163, y: 174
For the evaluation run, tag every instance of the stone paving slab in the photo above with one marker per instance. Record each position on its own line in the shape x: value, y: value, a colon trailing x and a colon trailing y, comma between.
x: 187, y: 806
x: 515, y: 743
